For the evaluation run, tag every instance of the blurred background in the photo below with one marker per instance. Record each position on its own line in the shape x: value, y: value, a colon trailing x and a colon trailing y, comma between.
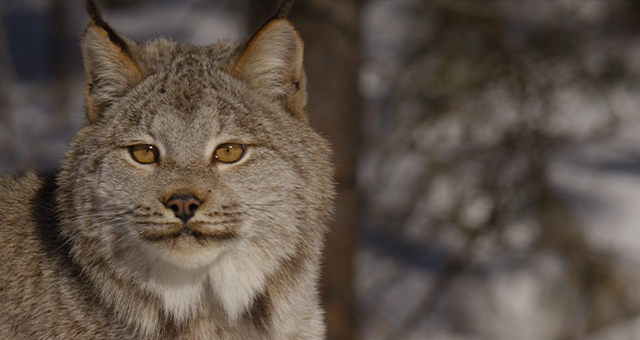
x: 487, y: 152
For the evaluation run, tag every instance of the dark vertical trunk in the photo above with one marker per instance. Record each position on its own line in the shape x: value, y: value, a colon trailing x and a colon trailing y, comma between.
x: 330, y: 30
x: 58, y: 61
x: 58, y: 36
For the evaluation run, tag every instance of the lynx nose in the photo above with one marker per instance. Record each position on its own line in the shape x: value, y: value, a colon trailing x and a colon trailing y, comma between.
x: 183, y: 206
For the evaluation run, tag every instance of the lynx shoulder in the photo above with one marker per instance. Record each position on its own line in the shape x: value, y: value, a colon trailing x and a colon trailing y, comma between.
x: 191, y: 205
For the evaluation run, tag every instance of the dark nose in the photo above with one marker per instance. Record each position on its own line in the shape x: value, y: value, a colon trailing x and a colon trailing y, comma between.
x: 183, y: 206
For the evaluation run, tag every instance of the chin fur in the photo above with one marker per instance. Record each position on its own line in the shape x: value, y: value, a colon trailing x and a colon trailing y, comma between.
x: 234, y: 273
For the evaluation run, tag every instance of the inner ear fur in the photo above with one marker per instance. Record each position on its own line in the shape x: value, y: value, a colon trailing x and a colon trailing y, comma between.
x: 271, y: 63
x: 109, y: 64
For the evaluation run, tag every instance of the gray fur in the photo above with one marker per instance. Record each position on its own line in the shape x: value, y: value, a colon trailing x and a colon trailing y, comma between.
x: 82, y: 251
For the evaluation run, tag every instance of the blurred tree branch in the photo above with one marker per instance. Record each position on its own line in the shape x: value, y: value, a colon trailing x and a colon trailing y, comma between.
x: 476, y: 105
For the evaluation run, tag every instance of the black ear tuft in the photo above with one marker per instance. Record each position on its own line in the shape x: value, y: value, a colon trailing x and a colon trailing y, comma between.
x: 111, y: 67
x: 96, y: 19
x: 284, y: 8
x: 271, y: 62
x: 93, y: 11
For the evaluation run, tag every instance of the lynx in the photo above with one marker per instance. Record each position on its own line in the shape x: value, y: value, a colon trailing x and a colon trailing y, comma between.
x: 191, y: 205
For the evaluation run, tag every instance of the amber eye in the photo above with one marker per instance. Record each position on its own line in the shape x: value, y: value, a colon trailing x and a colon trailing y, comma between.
x: 144, y: 153
x: 229, y: 152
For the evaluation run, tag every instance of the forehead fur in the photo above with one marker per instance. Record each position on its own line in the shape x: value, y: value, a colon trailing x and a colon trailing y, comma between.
x: 162, y: 55
x: 181, y: 80
x: 188, y: 95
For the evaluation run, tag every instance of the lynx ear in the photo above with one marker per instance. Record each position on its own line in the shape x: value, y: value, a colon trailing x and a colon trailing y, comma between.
x: 271, y: 63
x: 110, y: 66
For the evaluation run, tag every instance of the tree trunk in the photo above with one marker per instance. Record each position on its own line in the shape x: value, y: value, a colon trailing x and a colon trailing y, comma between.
x: 330, y: 30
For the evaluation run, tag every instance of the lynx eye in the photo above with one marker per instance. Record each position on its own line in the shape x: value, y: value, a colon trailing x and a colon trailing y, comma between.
x: 229, y: 152
x: 144, y: 153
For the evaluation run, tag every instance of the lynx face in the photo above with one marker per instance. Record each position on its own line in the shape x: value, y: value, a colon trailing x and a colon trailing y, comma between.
x: 179, y: 200
x: 196, y: 173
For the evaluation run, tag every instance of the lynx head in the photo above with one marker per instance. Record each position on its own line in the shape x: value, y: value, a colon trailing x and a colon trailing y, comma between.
x: 196, y: 160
